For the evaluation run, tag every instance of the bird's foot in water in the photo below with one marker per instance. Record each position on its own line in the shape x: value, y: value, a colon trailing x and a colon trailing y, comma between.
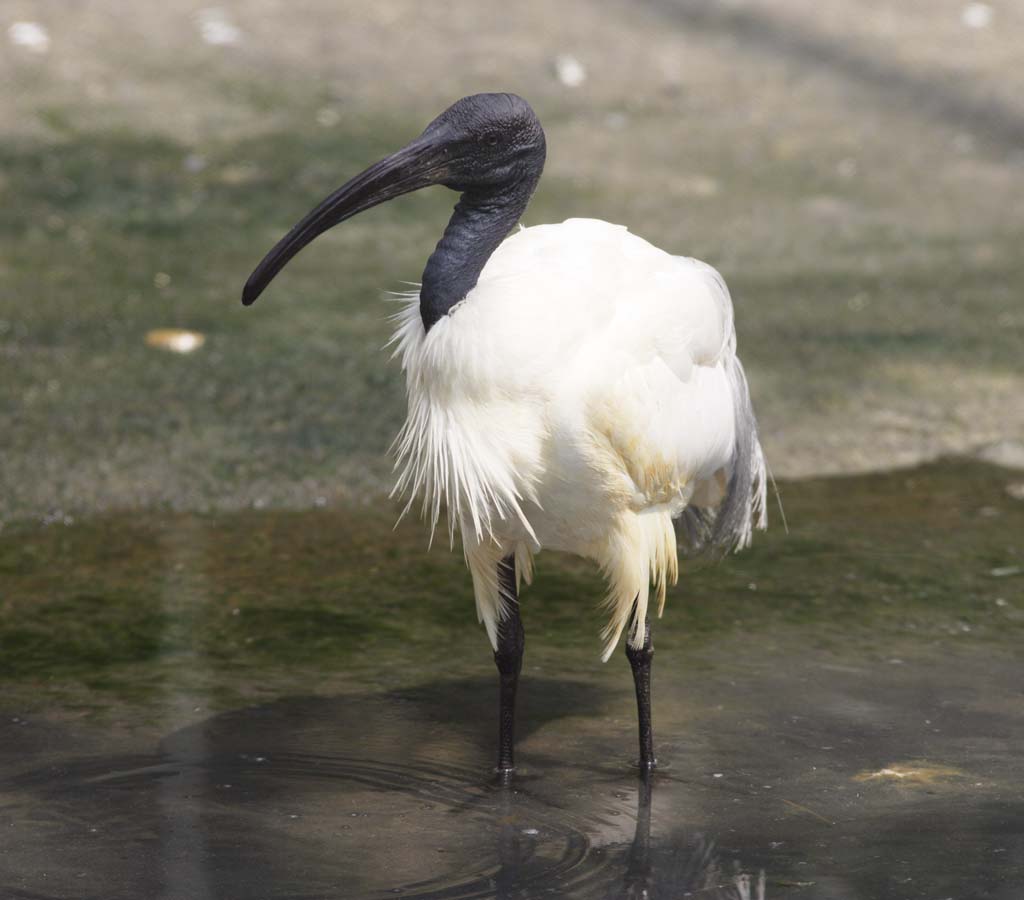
x: 503, y: 773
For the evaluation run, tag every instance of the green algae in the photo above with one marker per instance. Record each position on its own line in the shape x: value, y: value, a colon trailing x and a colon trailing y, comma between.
x: 123, y: 603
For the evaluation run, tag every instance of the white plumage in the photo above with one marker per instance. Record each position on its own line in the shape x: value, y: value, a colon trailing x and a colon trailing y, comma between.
x: 584, y: 394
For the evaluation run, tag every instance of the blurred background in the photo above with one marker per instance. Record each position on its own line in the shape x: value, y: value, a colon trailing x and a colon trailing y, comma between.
x: 854, y: 169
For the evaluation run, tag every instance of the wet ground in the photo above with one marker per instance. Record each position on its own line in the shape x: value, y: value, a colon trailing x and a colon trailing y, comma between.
x: 298, y: 705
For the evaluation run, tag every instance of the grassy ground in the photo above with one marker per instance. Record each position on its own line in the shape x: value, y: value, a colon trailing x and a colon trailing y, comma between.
x: 850, y: 171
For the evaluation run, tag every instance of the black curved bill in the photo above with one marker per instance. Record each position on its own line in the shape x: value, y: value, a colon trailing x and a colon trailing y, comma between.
x: 417, y: 165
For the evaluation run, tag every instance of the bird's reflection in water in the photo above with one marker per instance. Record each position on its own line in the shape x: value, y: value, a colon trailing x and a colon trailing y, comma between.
x: 638, y: 870
x: 675, y: 868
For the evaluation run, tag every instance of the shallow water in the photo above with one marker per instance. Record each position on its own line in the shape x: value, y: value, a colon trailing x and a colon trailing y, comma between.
x: 256, y: 706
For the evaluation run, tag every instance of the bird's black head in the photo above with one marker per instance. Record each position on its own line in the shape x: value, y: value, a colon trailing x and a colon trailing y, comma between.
x: 488, y: 140
x: 486, y: 144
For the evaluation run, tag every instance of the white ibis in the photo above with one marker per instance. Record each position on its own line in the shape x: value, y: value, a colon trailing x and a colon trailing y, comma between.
x: 570, y: 387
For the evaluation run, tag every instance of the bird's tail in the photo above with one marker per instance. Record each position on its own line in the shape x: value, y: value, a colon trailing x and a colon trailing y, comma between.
x: 730, y: 525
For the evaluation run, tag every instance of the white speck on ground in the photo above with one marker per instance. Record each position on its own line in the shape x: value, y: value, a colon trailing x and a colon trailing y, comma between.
x: 977, y: 15
x: 1005, y: 571
x: 216, y: 28
x: 328, y: 117
x: 693, y: 186
x: 30, y: 35
x: 570, y: 71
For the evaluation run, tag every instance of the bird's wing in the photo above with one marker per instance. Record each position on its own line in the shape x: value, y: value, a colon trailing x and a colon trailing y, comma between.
x: 667, y: 394
x: 706, y: 416
x: 640, y: 340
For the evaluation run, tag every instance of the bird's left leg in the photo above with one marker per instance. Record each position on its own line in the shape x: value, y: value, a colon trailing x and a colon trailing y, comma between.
x: 509, y: 659
x: 640, y: 662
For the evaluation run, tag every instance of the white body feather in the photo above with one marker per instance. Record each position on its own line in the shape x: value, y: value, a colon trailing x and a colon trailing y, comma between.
x: 581, y: 397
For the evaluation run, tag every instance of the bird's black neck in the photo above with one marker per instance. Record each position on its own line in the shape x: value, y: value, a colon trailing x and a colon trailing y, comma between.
x: 481, y: 221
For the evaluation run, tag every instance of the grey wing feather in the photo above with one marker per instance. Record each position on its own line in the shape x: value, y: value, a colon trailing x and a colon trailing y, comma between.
x: 730, y: 526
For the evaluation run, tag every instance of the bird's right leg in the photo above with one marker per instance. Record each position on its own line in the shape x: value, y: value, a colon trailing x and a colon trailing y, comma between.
x: 640, y: 662
x: 509, y: 659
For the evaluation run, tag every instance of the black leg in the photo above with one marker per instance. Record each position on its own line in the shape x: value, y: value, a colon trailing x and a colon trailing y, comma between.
x: 640, y: 662
x: 509, y: 659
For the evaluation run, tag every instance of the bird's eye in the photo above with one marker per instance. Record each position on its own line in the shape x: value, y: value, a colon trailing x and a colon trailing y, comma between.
x: 492, y: 141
